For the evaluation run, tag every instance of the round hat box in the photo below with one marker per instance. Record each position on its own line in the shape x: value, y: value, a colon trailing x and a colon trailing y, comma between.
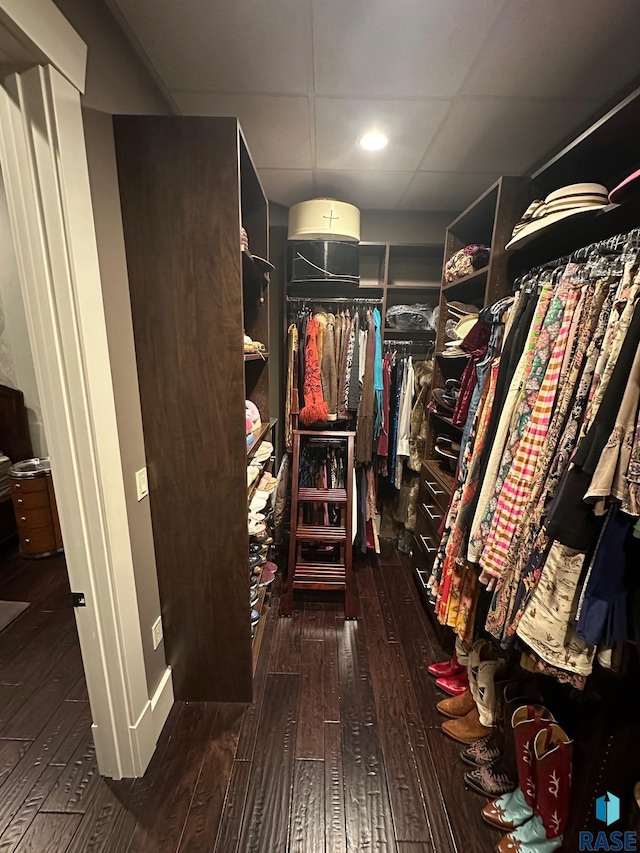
x: 324, y: 219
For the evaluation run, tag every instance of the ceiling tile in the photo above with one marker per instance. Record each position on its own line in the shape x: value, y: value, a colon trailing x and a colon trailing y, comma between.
x: 445, y: 190
x: 367, y: 190
x: 575, y: 48
x: 287, y: 186
x: 502, y: 135
x: 406, y: 48
x: 410, y: 126
x: 226, y: 46
x: 276, y: 128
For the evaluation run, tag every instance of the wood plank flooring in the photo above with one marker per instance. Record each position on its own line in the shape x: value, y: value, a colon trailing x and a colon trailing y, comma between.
x: 340, y: 751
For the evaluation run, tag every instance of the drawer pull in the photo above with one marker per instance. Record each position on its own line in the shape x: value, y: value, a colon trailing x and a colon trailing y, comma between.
x: 433, y: 488
x: 20, y: 501
x: 16, y: 485
x: 425, y: 539
x: 432, y: 516
x: 26, y: 541
x: 23, y: 518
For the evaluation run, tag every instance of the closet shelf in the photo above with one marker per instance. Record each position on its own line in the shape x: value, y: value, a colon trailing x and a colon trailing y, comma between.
x: 256, y: 356
x: 253, y: 488
x: 458, y: 357
x: 251, y: 449
x: 413, y: 286
x: 445, y: 420
x: 447, y: 480
x: 473, y: 278
x: 389, y: 330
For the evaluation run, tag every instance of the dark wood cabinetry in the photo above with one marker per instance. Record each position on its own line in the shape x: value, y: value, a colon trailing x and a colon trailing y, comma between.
x: 187, y: 185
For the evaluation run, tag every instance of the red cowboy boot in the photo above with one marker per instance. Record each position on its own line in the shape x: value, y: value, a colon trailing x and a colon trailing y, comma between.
x: 553, y: 752
x: 552, y: 755
x: 454, y: 685
x: 446, y: 668
x: 512, y: 810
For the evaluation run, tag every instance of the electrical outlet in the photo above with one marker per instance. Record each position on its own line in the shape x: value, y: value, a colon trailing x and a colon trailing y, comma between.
x: 157, y: 632
x: 142, y: 484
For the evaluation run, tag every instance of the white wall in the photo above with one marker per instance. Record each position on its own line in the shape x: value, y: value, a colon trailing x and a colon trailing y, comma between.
x: 16, y: 360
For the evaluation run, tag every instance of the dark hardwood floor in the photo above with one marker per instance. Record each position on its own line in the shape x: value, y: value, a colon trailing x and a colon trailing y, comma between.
x: 339, y: 753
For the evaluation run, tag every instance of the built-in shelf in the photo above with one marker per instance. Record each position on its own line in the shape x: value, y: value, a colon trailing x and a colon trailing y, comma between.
x: 445, y: 420
x: 428, y: 333
x: 413, y: 286
x: 476, y: 277
x: 251, y: 449
x: 256, y: 356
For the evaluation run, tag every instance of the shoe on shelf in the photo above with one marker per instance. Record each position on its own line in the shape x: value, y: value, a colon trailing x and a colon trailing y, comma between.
x: 454, y: 685
x: 254, y: 597
x: 446, y: 668
x: 255, y: 617
x: 457, y: 706
x: 266, y: 577
x: 255, y: 548
x: 466, y: 729
x: 262, y: 537
x: 256, y: 560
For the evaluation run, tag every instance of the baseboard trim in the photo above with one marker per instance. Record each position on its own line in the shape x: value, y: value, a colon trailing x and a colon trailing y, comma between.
x: 146, y: 731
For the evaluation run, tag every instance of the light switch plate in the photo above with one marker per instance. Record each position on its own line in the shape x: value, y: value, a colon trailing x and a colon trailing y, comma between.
x: 142, y: 484
x: 157, y: 632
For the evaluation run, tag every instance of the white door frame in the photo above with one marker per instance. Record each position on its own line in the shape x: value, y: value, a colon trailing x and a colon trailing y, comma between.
x: 44, y: 165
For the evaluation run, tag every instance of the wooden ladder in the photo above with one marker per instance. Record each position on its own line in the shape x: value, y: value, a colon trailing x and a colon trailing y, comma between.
x: 321, y: 574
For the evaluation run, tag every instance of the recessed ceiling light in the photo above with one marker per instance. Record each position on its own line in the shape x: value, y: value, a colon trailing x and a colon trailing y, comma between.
x: 374, y: 140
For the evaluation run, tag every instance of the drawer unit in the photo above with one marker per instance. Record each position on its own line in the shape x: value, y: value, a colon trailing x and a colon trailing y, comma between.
x: 430, y: 511
x: 30, y: 500
x: 34, y: 506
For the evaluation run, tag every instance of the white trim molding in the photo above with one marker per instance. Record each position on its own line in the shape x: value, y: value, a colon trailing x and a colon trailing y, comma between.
x: 44, y: 165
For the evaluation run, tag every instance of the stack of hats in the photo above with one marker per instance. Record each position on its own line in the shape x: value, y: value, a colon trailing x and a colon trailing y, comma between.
x: 462, y: 319
x: 562, y: 203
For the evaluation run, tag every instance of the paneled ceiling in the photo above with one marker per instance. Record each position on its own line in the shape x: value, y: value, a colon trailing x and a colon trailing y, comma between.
x: 466, y: 90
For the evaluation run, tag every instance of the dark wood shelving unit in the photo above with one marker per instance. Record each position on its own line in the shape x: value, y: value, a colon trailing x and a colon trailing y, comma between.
x: 256, y: 356
x: 264, y: 431
x: 186, y: 184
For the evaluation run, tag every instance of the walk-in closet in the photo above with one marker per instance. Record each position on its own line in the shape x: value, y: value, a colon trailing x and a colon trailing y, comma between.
x: 334, y: 312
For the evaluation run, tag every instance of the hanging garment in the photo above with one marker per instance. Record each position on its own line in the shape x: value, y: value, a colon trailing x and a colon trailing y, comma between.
x: 364, y: 424
x: 352, y: 387
x: 378, y: 386
x: 571, y: 521
x: 520, y: 573
x: 404, y: 420
x: 395, y: 403
x: 534, y: 417
x: 383, y: 440
x: 453, y: 580
x: 423, y: 373
x: 609, y: 477
x: 344, y: 367
x: 552, y: 608
x: 475, y: 344
x: 603, y: 606
x: 328, y: 369
x: 292, y: 360
x: 485, y: 503
x: 315, y: 409
x: 302, y: 354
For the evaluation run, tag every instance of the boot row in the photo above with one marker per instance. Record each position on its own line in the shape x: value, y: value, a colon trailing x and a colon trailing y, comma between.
x: 520, y: 757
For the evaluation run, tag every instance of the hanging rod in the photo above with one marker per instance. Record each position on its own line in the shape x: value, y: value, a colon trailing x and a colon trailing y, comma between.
x: 347, y: 300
